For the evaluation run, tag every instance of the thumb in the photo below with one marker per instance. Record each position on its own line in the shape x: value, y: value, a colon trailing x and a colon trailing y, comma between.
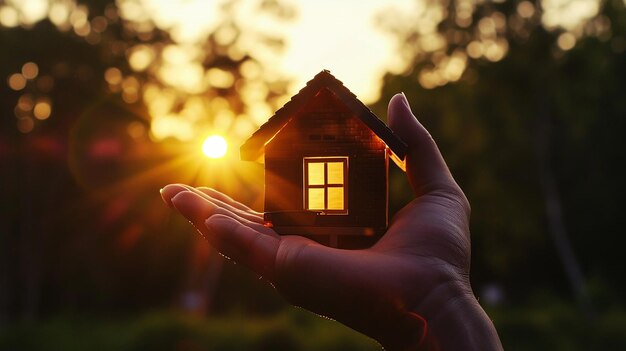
x: 426, y: 168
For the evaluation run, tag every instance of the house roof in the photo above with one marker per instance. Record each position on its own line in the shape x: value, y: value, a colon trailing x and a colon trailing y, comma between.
x: 254, y: 148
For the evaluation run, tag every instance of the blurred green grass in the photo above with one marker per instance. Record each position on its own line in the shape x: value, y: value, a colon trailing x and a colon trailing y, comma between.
x: 544, y: 323
x: 292, y: 329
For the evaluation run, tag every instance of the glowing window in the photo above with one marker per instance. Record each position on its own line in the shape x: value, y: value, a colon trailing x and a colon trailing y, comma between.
x: 316, y: 173
x: 316, y: 199
x: 334, y: 171
x: 325, y: 184
x: 335, y: 198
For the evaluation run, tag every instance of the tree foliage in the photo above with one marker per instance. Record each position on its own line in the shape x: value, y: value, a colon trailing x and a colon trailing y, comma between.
x: 532, y: 134
x: 102, y: 104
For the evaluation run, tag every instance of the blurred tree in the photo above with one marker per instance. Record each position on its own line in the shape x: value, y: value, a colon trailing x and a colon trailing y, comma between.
x: 103, y: 102
x: 527, y: 101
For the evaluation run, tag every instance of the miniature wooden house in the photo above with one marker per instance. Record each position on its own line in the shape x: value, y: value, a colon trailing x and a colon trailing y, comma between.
x: 326, y: 166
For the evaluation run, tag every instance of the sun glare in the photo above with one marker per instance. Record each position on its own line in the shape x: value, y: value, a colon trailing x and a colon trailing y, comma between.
x: 214, y: 146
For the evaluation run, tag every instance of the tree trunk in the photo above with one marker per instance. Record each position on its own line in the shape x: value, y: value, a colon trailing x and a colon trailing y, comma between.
x: 554, y: 211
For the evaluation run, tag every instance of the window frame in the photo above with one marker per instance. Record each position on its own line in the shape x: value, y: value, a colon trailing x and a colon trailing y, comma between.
x: 305, y: 182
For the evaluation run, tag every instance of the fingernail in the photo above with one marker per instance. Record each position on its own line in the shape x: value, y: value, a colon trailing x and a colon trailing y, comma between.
x: 164, y: 199
x: 405, y: 100
x: 176, y: 198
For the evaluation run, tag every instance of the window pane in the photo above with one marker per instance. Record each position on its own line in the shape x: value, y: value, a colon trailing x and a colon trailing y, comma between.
x: 335, y: 198
x: 316, y: 173
x: 316, y: 199
x: 335, y: 172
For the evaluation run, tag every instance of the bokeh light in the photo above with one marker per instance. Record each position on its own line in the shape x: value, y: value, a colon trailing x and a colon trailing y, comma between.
x: 9, y: 16
x: 30, y: 70
x: 16, y: 81
x: 42, y: 110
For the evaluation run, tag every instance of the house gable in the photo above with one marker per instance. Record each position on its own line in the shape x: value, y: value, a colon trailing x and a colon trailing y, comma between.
x: 323, y: 86
x: 323, y: 127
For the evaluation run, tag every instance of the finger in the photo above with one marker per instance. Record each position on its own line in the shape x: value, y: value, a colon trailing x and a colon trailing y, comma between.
x: 171, y: 190
x: 249, y: 215
x: 426, y: 168
x: 227, y: 202
x: 197, y: 209
x: 243, y: 244
x: 217, y: 195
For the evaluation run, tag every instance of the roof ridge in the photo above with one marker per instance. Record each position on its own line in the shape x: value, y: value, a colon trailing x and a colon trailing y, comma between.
x: 253, y: 148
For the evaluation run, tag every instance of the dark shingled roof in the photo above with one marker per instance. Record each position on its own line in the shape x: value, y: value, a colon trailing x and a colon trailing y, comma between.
x: 254, y: 148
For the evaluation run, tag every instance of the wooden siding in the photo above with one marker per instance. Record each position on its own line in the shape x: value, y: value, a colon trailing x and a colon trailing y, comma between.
x: 324, y: 128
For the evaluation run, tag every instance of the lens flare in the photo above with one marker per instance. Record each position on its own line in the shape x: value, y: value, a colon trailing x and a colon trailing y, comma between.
x: 214, y: 146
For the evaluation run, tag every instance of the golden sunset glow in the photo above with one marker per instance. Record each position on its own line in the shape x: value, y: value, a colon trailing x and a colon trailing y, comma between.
x: 183, y: 80
x: 185, y: 100
x: 310, y: 47
x: 129, y: 125
x: 214, y: 146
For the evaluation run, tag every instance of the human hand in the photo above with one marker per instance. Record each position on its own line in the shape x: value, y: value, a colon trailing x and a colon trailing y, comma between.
x: 409, y: 291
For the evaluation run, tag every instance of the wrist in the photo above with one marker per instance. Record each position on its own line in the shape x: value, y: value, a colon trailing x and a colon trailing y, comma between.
x: 459, y: 323
x: 408, y: 333
x: 413, y: 326
x: 448, y: 318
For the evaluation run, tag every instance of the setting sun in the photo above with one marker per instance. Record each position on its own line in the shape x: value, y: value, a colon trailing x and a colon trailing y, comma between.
x: 214, y: 146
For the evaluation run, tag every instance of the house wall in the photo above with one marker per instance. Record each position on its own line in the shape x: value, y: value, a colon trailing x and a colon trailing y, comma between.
x: 325, y: 128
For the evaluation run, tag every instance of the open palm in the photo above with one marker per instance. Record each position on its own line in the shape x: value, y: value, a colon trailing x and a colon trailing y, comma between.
x: 416, y: 275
